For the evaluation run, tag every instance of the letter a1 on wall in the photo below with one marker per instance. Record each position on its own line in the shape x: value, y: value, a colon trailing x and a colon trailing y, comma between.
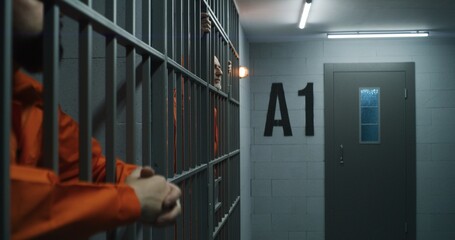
x: 277, y: 93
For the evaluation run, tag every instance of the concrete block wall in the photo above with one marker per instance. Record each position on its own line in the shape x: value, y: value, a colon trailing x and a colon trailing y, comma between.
x: 69, y: 79
x: 287, y: 181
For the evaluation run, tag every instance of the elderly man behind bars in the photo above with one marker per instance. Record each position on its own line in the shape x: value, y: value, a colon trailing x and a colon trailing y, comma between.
x: 47, y: 206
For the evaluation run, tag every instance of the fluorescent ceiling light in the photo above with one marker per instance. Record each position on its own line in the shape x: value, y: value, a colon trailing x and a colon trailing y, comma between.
x: 377, y: 35
x: 305, y: 13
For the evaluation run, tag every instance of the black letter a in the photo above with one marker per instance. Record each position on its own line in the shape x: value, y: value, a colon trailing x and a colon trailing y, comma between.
x: 277, y: 92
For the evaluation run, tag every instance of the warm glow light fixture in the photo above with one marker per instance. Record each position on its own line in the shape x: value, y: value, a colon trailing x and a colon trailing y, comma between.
x: 243, y: 72
x: 377, y: 34
x: 305, y: 13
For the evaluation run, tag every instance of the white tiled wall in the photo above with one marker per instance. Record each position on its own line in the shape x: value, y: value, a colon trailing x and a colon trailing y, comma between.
x: 287, y: 173
x: 245, y: 162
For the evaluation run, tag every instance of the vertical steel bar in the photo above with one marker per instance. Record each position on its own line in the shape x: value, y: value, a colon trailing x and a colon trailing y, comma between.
x: 194, y: 130
x: 186, y: 31
x: 226, y: 63
x: 186, y: 208
x: 199, y: 128
x: 170, y: 29
x: 194, y: 210
x: 130, y: 16
x: 226, y: 125
x: 131, y: 84
x: 159, y: 88
x: 193, y: 207
x: 50, y: 93
x: 170, y: 33
x: 228, y: 19
x: 146, y: 120
x: 223, y: 15
x: 179, y: 140
x: 198, y: 131
x: 85, y: 93
x: 231, y: 175
x: 179, y: 134
x: 146, y: 96
x: 111, y: 94
x: 111, y: 102
x: 171, y: 94
x: 146, y: 87
x: 172, y: 120
x: 206, y: 197
x: 192, y: 36
x: 179, y: 31
x: 208, y: 126
x: 202, y: 199
x: 160, y: 95
x: 171, y: 124
x: 237, y: 36
x: 222, y: 126
x: 213, y: 97
x: 198, y: 35
x: 187, y: 122
x: 6, y: 67
x: 214, y: 122
x: 186, y: 138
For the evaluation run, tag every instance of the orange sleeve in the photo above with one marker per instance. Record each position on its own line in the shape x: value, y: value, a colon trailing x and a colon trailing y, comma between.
x: 69, y: 154
x: 45, y: 208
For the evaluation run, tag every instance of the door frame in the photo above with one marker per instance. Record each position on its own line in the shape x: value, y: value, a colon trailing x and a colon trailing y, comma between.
x: 410, y: 130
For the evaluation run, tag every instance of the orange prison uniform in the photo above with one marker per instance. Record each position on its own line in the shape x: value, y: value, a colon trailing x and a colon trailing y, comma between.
x: 47, y: 206
x: 215, y: 127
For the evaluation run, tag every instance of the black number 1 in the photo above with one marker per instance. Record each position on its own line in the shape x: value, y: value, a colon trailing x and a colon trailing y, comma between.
x: 309, y: 108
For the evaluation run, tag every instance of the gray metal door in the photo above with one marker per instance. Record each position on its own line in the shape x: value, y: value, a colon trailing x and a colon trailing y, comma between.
x: 366, y: 164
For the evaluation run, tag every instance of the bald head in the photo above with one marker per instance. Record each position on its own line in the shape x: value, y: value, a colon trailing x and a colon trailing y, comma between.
x: 218, y: 73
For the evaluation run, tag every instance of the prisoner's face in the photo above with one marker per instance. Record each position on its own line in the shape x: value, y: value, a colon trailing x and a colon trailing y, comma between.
x: 28, y: 39
x: 218, y: 73
x: 206, y: 24
x: 28, y: 17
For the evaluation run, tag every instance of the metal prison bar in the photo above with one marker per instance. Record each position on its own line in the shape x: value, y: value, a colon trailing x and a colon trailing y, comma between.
x: 5, y: 111
x: 182, y: 112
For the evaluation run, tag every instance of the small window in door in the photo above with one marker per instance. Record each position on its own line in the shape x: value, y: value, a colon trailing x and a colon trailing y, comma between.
x: 369, y: 115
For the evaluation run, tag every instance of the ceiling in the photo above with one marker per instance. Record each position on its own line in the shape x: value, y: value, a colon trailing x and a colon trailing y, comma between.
x: 277, y: 20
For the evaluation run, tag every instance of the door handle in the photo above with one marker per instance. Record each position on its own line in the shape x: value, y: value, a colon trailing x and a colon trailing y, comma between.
x: 341, y: 154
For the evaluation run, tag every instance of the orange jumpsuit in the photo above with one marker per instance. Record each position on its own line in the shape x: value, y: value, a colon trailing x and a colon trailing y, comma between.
x: 47, y: 206
x: 215, y: 128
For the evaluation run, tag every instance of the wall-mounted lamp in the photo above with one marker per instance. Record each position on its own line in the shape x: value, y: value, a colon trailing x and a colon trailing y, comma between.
x: 243, y: 72
x: 305, y: 14
x: 393, y: 34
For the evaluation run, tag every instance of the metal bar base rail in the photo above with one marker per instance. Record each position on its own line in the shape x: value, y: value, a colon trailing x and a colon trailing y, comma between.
x: 226, y: 217
x: 188, y: 174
